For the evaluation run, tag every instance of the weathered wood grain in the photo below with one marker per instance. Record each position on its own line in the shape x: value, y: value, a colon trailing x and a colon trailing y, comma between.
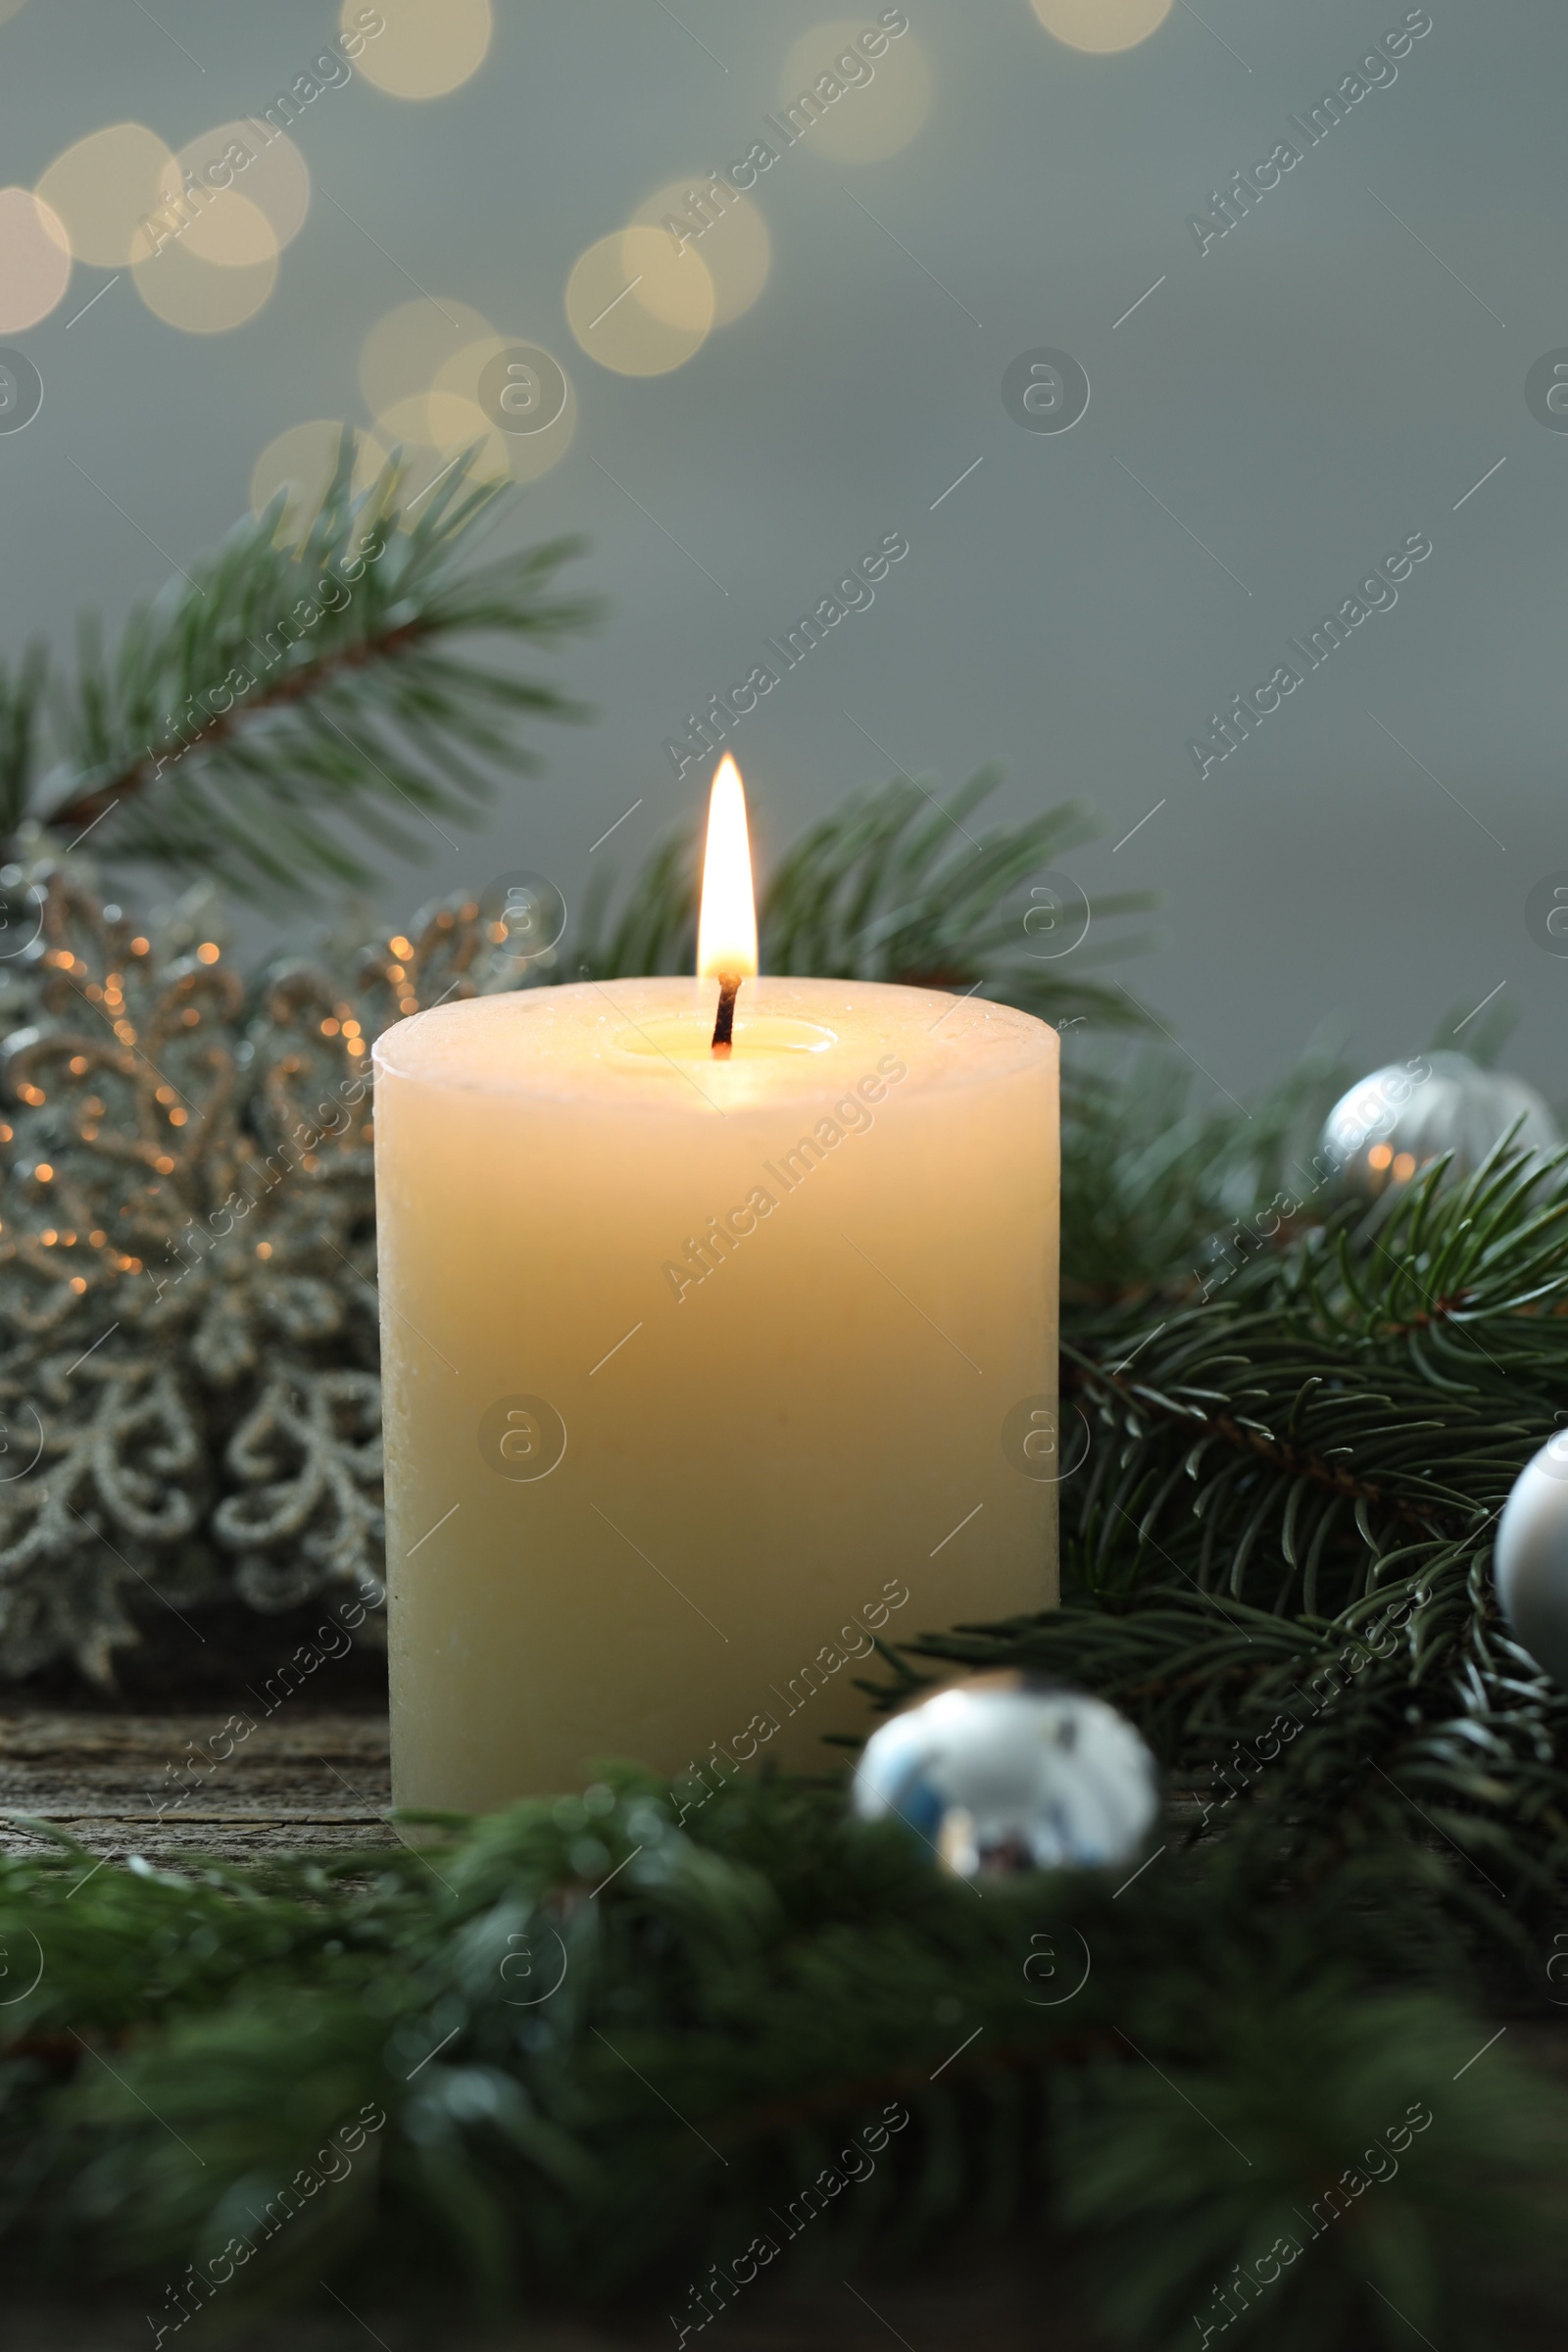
x: 240, y: 1784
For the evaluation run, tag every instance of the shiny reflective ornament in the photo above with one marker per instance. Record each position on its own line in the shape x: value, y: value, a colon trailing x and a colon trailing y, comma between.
x: 1530, y: 1562
x: 1002, y: 1772
x: 1394, y: 1124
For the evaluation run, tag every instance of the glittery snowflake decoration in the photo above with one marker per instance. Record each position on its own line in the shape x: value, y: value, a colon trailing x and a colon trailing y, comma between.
x: 189, y: 1404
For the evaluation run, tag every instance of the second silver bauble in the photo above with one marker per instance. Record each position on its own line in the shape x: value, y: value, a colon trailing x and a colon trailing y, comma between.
x: 1001, y: 1772
x: 1530, y: 1560
x: 1396, y: 1122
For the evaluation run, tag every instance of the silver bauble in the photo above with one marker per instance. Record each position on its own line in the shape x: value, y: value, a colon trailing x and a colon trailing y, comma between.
x: 1530, y: 1559
x: 1394, y: 1123
x: 1001, y: 1772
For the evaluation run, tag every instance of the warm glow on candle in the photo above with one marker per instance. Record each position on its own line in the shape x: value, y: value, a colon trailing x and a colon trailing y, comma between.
x: 726, y: 928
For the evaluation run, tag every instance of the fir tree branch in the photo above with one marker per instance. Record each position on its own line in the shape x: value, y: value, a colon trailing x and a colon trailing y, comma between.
x: 20, y: 697
x: 1278, y: 1545
x: 745, y: 2001
x: 893, y: 886
x: 291, y: 686
x: 296, y: 681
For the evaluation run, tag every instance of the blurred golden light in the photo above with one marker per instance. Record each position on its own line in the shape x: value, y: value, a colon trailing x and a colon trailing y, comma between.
x: 249, y: 160
x: 458, y: 422
x: 525, y: 455
x: 402, y: 353
x: 442, y: 425
x: 35, y: 259
x: 1404, y: 1166
x: 227, y: 229
x: 1101, y: 26
x: 415, y: 427
x: 640, y: 304
x: 406, y: 422
x: 107, y: 187
x: 301, y: 461
x: 461, y: 373
x: 726, y: 232
x: 426, y: 48
x: 186, y: 291
x: 853, y: 106
x: 1380, y: 1156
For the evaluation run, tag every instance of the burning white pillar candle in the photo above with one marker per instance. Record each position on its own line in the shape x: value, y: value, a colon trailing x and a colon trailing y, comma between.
x: 701, y: 1370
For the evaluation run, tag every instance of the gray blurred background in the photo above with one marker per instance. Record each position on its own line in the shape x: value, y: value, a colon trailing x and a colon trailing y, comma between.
x: 1281, y: 412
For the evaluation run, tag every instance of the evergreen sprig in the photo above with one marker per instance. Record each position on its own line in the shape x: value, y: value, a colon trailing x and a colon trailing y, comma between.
x: 20, y: 697
x: 1286, y: 1445
x: 309, y: 679
x: 612, y: 2051
x: 894, y: 886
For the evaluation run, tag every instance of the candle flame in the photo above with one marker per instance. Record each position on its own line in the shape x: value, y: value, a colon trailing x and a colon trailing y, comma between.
x: 726, y: 927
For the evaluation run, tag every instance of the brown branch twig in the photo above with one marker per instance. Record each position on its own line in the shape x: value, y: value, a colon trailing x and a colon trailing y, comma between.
x: 293, y: 686
x: 1273, y: 1450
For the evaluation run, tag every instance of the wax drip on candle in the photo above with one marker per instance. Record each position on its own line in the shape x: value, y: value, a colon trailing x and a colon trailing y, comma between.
x: 726, y: 925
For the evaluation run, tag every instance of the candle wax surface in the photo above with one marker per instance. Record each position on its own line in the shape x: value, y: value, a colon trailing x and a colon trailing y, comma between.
x: 701, y: 1372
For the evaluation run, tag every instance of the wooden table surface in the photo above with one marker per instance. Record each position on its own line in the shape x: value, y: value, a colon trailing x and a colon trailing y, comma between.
x: 304, y: 1780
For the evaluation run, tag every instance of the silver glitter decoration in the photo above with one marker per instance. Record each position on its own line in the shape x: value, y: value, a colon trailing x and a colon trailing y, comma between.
x: 189, y: 1403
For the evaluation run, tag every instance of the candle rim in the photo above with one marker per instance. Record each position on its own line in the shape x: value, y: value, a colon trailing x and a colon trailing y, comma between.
x: 641, y: 1080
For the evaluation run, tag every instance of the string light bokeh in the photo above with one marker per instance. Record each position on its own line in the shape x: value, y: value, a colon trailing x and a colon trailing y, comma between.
x: 873, y: 105
x: 35, y: 259
x: 734, y: 295
x: 106, y: 186
x: 1102, y: 27
x: 426, y: 48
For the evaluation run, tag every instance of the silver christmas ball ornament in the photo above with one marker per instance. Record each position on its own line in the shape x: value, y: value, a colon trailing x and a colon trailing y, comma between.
x: 1001, y: 1771
x: 1530, y: 1559
x: 1394, y: 1123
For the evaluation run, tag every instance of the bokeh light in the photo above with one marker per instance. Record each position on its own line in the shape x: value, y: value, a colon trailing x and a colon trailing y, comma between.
x: 302, y: 461
x: 640, y: 304
x: 406, y: 424
x: 428, y: 431
x: 457, y: 424
x: 35, y: 259
x: 253, y: 162
x: 404, y: 350
x: 526, y: 455
x: 428, y: 47
x: 723, y: 228
x: 107, y: 187
x: 853, y: 108
x: 1102, y: 25
x: 192, y: 294
x: 229, y: 231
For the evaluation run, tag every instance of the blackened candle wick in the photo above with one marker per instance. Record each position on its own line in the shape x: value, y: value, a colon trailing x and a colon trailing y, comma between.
x: 729, y: 988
